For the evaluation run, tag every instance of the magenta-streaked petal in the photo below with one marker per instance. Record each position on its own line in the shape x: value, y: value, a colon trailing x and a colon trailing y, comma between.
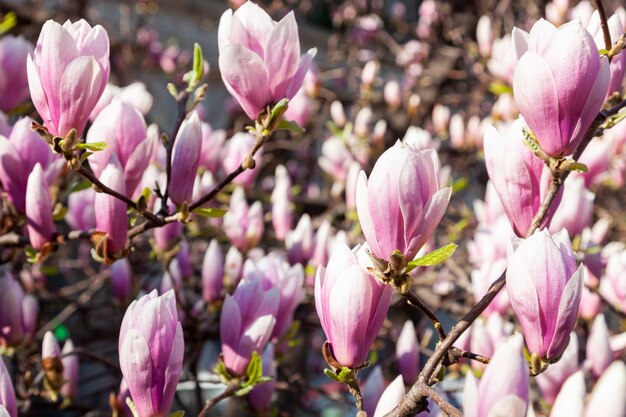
x: 519, y: 42
x: 525, y: 303
x: 257, y: 24
x: 38, y: 209
x: 136, y: 367
x: 349, y: 305
x: 540, y: 35
x: 365, y: 216
x: 295, y: 82
x: 282, y: 53
x: 593, y: 105
x: 38, y: 95
x: 246, y: 78
x: 537, y: 98
x: 80, y: 84
x: 173, y: 370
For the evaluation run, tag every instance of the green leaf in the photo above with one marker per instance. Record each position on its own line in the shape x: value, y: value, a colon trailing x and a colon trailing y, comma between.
x: 59, y: 214
x: 329, y: 373
x: 171, y: 88
x: 277, y: 113
x: 84, y: 156
x: 254, y: 371
x: 290, y: 126
x: 334, y: 129
x: 244, y: 390
x: 209, y: 212
x: 80, y: 186
x: 8, y: 22
x: 49, y: 270
x: 198, y: 63
x: 30, y: 252
x: 499, y: 88
x: 579, y: 166
x: 435, y: 257
x: 459, y: 184
x: 94, y: 147
x: 180, y: 413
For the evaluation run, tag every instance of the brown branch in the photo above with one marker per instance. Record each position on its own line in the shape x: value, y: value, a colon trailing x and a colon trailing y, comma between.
x: 91, y: 177
x: 604, y: 25
x: 15, y: 240
x: 413, y: 402
x: 228, y: 392
x: 209, y: 196
x: 415, y: 301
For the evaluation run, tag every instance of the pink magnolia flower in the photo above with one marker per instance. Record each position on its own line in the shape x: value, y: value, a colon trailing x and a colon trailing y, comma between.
x: 281, y: 203
x: 18, y: 313
x: 503, y: 389
x: 391, y: 397
x: 67, y: 74
x: 571, y: 399
x: 80, y: 210
x: 275, y: 272
x: 19, y: 153
x: 484, y: 35
x: 135, y: 95
x: 560, y: 83
x: 151, y: 350
x: 599, y: 353
x: 608, y: 398
x: 300, y: 242
x: 401, y: 203
x: 233, y: 154
x: 544, y: 287
x: 212, y: 272
x: 243, y: 223
x: 407, y: 353
x: 13, y: 79
x: 110, y: 212
x: 351, y: 305
x: 121, y: 279
x: 38, y: 209
x: 8, y: 406
x: 185, y: 159
x: 260, y: 58
x: 519, y: 177
x: 70, y: 370
x: 124, y: 130
x: 576, y: 210
x: 246, y: 324
x: 372, y: 389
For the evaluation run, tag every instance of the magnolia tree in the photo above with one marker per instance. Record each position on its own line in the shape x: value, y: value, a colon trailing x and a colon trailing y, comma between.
x: 195, y: 261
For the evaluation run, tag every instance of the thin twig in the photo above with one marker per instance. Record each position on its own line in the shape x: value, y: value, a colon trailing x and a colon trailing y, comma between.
x: 228, y: 392
x: 604, y: 25
x: 90, y: 176
x: 415, y: 301
x: 211, y: 194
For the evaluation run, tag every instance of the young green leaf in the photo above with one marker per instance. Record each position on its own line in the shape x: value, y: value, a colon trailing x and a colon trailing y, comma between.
x: 290, y: 126
x: 209, y: 212
x: 94, y: 147
x: 435, y: 257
